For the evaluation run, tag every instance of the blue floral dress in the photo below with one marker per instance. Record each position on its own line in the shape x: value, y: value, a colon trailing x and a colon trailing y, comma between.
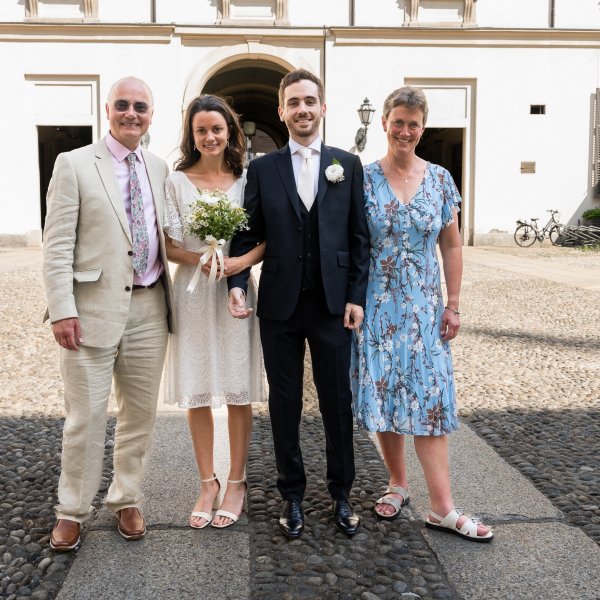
x: 401, y: 372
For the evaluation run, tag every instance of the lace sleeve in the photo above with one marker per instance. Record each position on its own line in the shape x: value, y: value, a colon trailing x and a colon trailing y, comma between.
x: 172, y: 219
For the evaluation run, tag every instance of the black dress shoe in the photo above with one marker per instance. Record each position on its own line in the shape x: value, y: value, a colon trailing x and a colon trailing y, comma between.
x: 291, y: 521
x: 346, y: 520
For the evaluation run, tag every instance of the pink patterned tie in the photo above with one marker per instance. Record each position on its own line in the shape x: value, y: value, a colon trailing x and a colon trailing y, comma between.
x: 139, y: 232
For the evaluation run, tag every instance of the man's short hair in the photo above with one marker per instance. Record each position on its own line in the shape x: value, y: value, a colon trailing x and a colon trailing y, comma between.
x: 299, y: 75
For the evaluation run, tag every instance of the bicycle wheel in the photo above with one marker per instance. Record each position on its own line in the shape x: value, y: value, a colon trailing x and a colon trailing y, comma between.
x: 525, y: 235
x: 554, y: 235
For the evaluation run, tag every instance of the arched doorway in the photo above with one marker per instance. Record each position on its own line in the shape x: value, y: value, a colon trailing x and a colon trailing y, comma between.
x: 251, y: 87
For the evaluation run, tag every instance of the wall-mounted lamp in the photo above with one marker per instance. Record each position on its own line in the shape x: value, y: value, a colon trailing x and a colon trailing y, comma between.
x: 249, y: 128
x: 365, y: 114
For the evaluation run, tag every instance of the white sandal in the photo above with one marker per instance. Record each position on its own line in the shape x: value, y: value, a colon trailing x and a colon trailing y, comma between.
x: 204, y: 515
x: 225, y: 513
x: 387, y: 498
x: 468, y: 531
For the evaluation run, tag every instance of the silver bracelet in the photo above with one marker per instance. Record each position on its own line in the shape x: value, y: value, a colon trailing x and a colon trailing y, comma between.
x: 452, y: 310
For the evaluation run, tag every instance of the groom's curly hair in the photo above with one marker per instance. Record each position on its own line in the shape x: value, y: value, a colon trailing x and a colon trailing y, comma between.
x: 299, y: 75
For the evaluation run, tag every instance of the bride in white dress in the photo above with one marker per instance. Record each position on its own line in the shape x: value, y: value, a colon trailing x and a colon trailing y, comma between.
x: 213, y: 359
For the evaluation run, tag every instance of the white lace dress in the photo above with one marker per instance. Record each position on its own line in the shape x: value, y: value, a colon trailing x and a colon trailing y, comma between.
x: 213, y: 359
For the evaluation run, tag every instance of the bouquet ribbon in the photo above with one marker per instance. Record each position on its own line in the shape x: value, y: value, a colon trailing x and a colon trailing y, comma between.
x: 215, y: 250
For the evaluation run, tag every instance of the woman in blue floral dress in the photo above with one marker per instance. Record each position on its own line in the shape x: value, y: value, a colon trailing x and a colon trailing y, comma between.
x: 402, y: 376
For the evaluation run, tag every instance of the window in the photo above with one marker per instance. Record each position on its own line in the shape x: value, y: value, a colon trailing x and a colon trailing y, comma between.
x: 61, y: 9
x: 446, y: 12
x: 269, y: 11
x: 537, y: 109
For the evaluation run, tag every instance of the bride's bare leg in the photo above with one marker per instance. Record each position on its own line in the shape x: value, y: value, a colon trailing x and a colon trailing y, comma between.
x: 240, y: 427
x: 201, y: 425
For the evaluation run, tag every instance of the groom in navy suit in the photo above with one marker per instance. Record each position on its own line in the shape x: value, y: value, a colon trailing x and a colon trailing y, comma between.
x: 306, y: 202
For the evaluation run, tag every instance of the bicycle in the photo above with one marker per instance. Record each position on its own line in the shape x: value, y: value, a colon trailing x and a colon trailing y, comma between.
x: 527, y: 233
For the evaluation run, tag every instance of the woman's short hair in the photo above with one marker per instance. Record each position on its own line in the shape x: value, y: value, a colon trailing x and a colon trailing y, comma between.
x: 234, y: 153
x: 411, y: 97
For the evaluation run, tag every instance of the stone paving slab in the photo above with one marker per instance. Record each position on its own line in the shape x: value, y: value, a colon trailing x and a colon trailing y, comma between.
x: 481, y: 482
x: 525, y: 561
x: 171, y: 481
x: 166, y: 565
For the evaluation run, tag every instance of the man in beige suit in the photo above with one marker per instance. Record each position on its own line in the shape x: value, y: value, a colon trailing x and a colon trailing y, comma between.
x: 108, y: 290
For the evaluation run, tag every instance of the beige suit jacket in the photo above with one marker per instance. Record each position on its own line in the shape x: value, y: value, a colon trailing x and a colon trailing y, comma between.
x: 88, y: 271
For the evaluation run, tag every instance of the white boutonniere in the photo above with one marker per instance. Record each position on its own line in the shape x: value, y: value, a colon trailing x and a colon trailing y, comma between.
x: 335, y: 172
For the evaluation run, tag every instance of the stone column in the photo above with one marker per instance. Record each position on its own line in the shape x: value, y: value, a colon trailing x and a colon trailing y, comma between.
x: 31, y: 8
x: 412, y: 12
x: 469, y: 14
x: 90, y: 9
x: 223, y: 10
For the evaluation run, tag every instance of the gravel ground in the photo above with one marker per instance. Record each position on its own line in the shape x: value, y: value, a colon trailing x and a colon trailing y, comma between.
x: 527, y: 364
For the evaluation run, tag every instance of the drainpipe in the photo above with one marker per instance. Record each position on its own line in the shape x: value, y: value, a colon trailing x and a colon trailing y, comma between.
x: 352, y: 9
x: 153, y: 11
x: 324, y: 79
x: 552, y: 11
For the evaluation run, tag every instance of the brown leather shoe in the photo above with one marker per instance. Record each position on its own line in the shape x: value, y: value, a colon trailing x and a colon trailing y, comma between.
x: 131, y: 523
x: 66, y: 535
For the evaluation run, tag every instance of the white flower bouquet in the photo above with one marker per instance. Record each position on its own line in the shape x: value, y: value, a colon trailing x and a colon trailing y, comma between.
x: 214, y: 220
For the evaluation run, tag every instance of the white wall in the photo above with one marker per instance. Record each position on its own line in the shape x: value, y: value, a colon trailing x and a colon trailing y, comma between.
x: 379, y: 13
x: 507, y: 82
x: 577, y: 14
x: 186, y: 11
x: 19, y: 200
x: 316, y: 13
x: 118, y: 11
x: 12, y: 10
x: 512, y: 13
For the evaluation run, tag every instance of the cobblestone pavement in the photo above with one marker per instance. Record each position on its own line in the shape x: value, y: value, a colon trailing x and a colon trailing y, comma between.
x: 527, y: 364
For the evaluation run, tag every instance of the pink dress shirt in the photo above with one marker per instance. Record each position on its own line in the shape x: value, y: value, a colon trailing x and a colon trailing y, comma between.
x: 119, y: 159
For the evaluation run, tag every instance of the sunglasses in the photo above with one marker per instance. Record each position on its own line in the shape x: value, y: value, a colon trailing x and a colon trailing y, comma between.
x: 141, y: 108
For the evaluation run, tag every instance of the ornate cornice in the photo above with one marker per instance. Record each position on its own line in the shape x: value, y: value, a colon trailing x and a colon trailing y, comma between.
x: 65, y: 31
x: 193, y: 36
x: 466, y: 37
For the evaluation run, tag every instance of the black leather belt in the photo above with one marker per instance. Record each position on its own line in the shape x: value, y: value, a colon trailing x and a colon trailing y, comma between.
x: 144, y: 287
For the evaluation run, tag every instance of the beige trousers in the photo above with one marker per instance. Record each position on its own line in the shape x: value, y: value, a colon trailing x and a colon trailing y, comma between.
x: 136, y: 365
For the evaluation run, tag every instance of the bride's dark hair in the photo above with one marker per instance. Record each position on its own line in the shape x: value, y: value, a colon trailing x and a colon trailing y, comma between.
x: 234, y: 152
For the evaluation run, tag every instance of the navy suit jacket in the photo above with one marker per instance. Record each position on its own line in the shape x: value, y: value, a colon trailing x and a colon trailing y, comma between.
x: 273, y: 206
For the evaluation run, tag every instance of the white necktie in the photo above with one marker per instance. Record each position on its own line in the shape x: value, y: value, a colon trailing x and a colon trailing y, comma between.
x: 306, y: 180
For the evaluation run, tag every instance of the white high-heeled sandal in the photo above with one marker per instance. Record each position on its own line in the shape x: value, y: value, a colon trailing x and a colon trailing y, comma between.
x: 208, y: 517
x: 225, y: 513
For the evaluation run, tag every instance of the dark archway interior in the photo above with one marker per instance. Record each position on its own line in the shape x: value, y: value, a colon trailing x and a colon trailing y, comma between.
x: 444, y: 147
x: 251, y: 86
x: 52, y: 140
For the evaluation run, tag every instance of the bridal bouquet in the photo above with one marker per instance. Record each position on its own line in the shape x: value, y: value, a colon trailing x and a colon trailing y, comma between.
x: 212, y: 219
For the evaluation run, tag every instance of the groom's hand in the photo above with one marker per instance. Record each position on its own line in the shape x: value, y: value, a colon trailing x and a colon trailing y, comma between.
x: 237, y: 304
x: 353, y: 316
